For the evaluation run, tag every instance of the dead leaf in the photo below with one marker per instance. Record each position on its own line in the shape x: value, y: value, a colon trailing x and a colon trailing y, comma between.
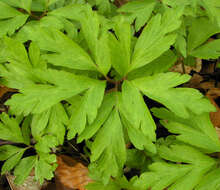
x: 71, y: 174
x: 180, y: 67
x: 215, y: 116
x: 218, y: 132
x: 4, y: 90
x: 29, y: 184
x: 119, y: 3
x: 195, y: 81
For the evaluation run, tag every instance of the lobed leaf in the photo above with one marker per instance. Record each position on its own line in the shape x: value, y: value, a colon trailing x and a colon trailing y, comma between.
x: 156, y: 38
x: 109, y: 148
x: 200, y: 30
x: 61, y: 50
x: 197, y: 130
x: 36, y: 98
x: 87, y: 110
x: 138, y: 10
x: 192, y: 167
x: 23, y: 169
x: 140, y: 124
x: 120, y: 46
x: 210, y: 50
x: 10, y: 129
x: 159, y: 87
x: 10, y: 19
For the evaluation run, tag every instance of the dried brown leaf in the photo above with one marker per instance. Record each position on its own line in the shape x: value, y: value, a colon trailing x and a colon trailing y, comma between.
x: 71, y: 174
x: 215, y: 116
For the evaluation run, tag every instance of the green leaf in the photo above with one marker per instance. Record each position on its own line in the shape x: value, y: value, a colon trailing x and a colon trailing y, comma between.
x: 135, y: 159
x: 14, y: 51
x: 10, y: 129
x: 6, y: 151
x: 39, y: 123
x: 36, y: 98
x: 159, y: 65
x: 176, y: 3
x: 120, y: 46
x: 10, y: 19
x: 87, y: 110
x: 16, y: 74
x: 34, y: 54
x: 156, y: 37
x: 24, y: 4
x: 210, y: 50
x: 181, y: 45
x: 210, y: 181
x: 197, y: 130
x: 62, y: 51
x: 200, y: 30
x: 193, y: 165
x: 212, y: 7
x: 70, y: 11
x: 104, y: 7
x: 160, y: 87
x: 96, y: 37
x: 57, y: 121
x: 44, y: 168
x: 100, y: 186
x: 103, y: 114
x: 108, y: 149
x: 141, y: 127
x: 26, y: 130
x: 23, y: 169
x: 46, y: 143
x: 12, y: 161
x: 139, y: 10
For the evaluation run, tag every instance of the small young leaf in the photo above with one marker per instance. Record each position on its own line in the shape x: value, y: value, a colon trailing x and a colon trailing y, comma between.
x: 45, y: 143
x: 43, y: 170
